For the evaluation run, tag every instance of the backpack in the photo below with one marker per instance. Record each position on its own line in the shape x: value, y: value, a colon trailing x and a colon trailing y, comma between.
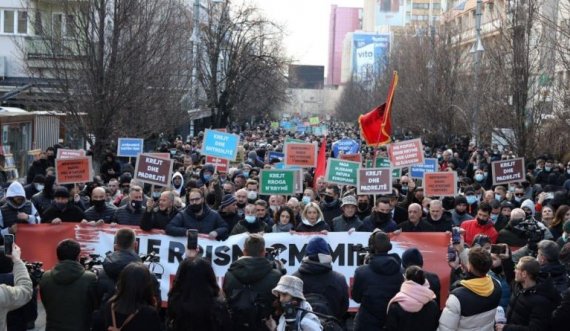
x: 245, y: 308
x: 321, y: 309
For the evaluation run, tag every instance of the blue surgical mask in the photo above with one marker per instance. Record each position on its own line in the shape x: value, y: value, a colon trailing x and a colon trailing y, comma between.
x: 306, y: 199
x: 485, y: 174
x: 547, y: 169
x: 494, y: 218
x: 479, y: 177
x: 498, y: 197
x: 155, y: 195
x: 246, y: 174
x: 518, y: 199
x: 250, y: 219
x: 471, y: 199
x: 207, y: 177
x: 404, y: 189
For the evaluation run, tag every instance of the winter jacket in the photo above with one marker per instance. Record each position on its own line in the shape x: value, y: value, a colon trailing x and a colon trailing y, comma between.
x: 442, y: 225
x: 472, y: 228
x: 343, y: 224
x: 505, y: 289
x: 106, y: 166
x: 256, y: 272
x: 413, y: 308
x: 306, y: 226
x: 230, y: 219
x: 556, y: 273
x: 245, y: 227
x: 146, y: 319
x: 180, y: 190
x: 531, y: 309
x: 18, y: 319
x: 126, y: 215
x: 319, y: 278
x: 374, y: 285
x: 42, y: 201
x: 70, y: 213
x: 9, y: 211
x: 38, y: 167
x: 30, y: 190
x: 457, y: 218
x: 13, y: 297
x: 106, y: 214
x: 561, y: 315
x: 512, y: 236
x: 157, y: 219
x: 330, y: 210
x: 422, y: 226
x: 207, y: 222
x: 68, y: 294
x: 471, y: 306
x: 219, y: 310
x: 372, y: 222
x: 305, y: 321
x: 434, y: 285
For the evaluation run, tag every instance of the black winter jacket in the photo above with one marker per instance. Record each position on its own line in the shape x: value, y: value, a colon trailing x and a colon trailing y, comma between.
x: 317, y: 227
x: 531, y: 309
x: 320, y: 278
x: 70, y: 213
x: 426, y: 319
x: 207, y: 222
x: 330, y: 211
x: 561, y: 315
x: 375, y: 284
x: 343, y: 224
x: 126, y: 215
x: 556, y: 273
x: 157, y: 219
x: 106, y: 214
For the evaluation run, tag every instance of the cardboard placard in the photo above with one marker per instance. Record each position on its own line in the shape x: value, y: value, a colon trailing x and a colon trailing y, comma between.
x: 63, y: 153
x: 220, y: 144
x: 440, y: 184
x: 342, y: 172
x: 160, y: 155
x: 276, y: 182
x: 301, y: 155
x: 220, y: 165
x: 374, y: 181
x: 417, y: 171
x: 508, y: 171
x: 73, y: 170
x: 357, y: 157
x: 130, y: 147
x: 276, y: 155
x: 314, y: 120
x: 153, y: 170
x: 406, y: 153
x: 275, y: 125
x: 384, y: 162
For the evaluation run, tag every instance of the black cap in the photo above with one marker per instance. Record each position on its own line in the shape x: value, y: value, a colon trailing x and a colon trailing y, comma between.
x: 61, y: 192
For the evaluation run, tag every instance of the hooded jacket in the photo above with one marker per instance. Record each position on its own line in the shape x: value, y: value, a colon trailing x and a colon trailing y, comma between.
x: 180, y: 190
x: 375, y: 284
x: 320, y: 278
x: 9, y: 211
x: 205, y: 223
x: 531, y: 308
x: 561, y: 315
x: 68, y: 294
x: 307, y: 321
x: 256, y: 272
x: 13, y: 297
x: 471, y: 306
x: 413, y: 308
x: 331, y: 210
x: 556, y: 274
x: 306, y: 226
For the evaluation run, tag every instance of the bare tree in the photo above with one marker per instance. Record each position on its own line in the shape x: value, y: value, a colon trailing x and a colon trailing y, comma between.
x: 118, y: 67
x: 242, y: 67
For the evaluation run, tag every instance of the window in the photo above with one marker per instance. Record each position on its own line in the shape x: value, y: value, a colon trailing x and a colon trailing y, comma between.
x: 22, y: 22
x: 8, y: 21
x: 69, y: 25
x: 57, y: 24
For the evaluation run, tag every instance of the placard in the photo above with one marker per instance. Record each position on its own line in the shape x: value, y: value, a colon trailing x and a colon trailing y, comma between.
x: 275, y: 125
x: 374, y: 181
x: 508, y: 171
x: 313, y: 121
x: 220, y: 144
x: 276, y: 182
x: 276, y: 155
x: 153, y: 170
x: 357, y: 157
x: 417, y: 171
x: 384, y: 162
x: 406, y: 153
x: 301, y: 155
x: 73, y: 170
x: 130, y: 147
x: 440, y: 184
x: 63, y: 153
x: 342, y: 172
x: 220, y: 165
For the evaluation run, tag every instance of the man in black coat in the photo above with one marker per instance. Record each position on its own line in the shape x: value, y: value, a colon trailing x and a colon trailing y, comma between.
x: 158, y: 214
x: 330, y: 205
x: 415, y: 223
x: 550, y: 267
x: 35, y: 187
x: 132, y: 212
x: 438, y: 218
x: 376, y: 283
x: 62, y: 210
x: 229, y: 211
x: 321, y: 281
x: 532, y: 301
x: 100, y: 211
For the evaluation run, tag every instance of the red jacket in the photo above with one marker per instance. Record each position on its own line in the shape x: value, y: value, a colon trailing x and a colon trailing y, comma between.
x: 472, y: 228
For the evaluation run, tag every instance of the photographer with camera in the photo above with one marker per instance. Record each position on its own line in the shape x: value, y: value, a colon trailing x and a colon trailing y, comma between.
x: 16, y: 290
x: 68, y: 291
x: 296, y: 312
x: 248, y: 284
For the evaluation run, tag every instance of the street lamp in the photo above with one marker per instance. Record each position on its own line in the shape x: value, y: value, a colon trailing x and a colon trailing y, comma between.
x: 477, y: 50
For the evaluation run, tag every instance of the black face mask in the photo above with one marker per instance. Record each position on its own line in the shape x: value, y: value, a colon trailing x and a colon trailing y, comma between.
x: 241, y: 205
x: 195, y: 208
x: 363, y: 205
x: 329, y: 199
x: 137, y: 205
x: 382, y: 218
x: 482, y: 222
x: 98, y: 204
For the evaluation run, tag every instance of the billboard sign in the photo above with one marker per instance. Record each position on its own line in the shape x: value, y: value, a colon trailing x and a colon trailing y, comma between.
x: 369, y: 54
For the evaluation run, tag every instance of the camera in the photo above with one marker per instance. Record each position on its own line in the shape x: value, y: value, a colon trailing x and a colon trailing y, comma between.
x: 363, y: 254
x: 92, y: 262
x: 35, y: 270
x: 290, y: 312
x: 151, y: 257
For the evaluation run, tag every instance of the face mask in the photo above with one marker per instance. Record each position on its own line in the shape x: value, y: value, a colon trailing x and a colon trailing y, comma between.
x: 568, y: 171
x: 363, y: 205
x: 482, y: 222
x: 250, y: 219
x: 518, y: 199
x: 252, y: 195
x: 60, y: 205
x: 207, y: 177
x: 383, y: 217
x: 246, y: 174
x: 227, y: 192
x: 547, y: 169
x: 241, y: 205
x: 511, y: 189
x: 528, y: 213
x: 498, y: 197
x: 485, y: 174
x: 39, y: 187
x: 494, y: 217
x: 478, y: 196
x: 136, y: 204
x: 195, y: 208
x: 306, y: 199
x: 329, y: 199
x: 223, y: 179
x: 404, y: 189
x: 479, y: 177
x: 156, y: 195
x: 471, y: 199
x: 98, y: 204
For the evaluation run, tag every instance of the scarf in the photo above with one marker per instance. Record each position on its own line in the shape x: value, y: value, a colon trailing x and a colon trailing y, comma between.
x: 413, y: 296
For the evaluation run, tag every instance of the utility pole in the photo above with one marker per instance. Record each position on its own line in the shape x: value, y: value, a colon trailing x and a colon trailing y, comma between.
x: 477, y: 50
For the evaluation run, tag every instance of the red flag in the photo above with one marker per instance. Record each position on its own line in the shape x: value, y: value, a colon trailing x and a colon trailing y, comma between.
x: 321, y: 162
x: 376, y: 125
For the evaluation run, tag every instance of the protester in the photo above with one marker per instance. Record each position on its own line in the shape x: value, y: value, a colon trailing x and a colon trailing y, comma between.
x: 415, y: 223
x: 438, y: 218
x: 380, y: 218
x: 480, y: 225
x: 17, y: 209
x: 131, y: 213
x: 413, y: 257
x: 229, y: 211
x: 134, y: 306
x: 68, y: 291
x: 348, y: 221
x: 551, y: 270
x: 100, y: 211
x: 459, y: 214
x: 289, y: 290
x: 263, y: 213
x: 364, y: 206
x: 35, y: 187
x: 43, y: 200
x: 159, y: 213
x: 62, y: 210
x: 414, y: 307
x: 330, y: 204
x: 312, y: 220
x: 13, y: 297
x: 284, y: 220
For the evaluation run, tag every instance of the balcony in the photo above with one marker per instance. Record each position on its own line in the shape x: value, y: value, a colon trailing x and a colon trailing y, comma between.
x: 42, y: 52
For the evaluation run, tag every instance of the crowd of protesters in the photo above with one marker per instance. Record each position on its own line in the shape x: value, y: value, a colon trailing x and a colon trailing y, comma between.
x: 509, y: 252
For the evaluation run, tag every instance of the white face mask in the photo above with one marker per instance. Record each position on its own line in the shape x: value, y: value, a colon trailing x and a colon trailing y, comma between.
x: 39, y: 187
x: 252, y: 195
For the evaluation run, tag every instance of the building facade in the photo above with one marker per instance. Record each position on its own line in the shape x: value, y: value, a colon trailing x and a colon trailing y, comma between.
x: 342, y: 21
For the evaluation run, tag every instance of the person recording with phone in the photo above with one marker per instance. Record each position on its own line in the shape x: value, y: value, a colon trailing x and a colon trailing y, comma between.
x: 159, y: 211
